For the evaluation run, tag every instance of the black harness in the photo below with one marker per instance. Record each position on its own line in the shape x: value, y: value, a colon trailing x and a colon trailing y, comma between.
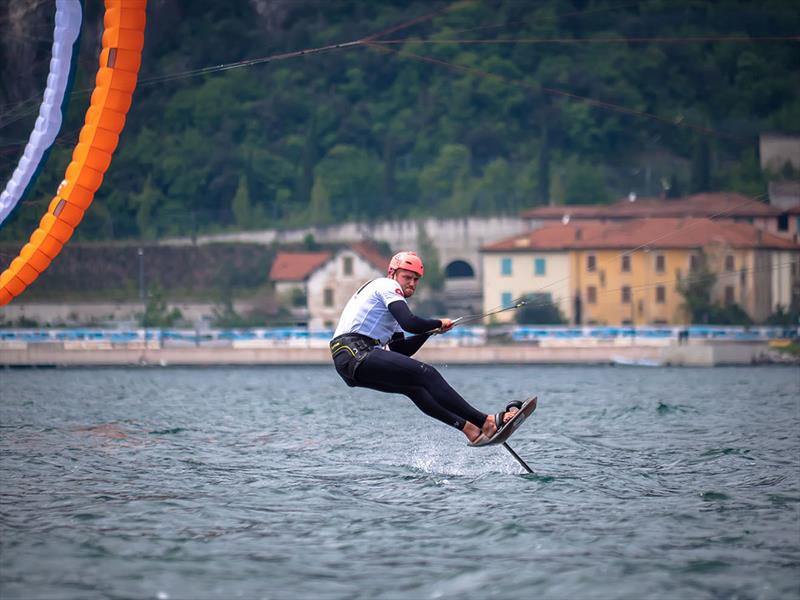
x: 349, y: 350
x: 354, y: 343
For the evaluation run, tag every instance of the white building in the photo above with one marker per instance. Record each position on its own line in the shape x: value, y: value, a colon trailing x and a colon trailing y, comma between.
x: 319, y: 284
x: 512, y: 271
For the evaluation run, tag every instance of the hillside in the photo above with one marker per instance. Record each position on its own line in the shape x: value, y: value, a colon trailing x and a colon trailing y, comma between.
x: 484, y: 108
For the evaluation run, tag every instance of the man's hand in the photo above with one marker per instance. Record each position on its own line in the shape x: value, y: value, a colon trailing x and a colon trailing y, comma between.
x: 447, y: 325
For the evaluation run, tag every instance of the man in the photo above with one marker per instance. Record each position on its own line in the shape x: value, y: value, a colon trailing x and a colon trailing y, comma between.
x: 376, y: 316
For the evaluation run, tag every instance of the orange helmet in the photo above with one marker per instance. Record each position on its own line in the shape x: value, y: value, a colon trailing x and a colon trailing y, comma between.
x: 406, y: 260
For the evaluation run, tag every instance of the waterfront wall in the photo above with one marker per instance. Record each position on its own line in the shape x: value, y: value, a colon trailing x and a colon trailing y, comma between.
x: 103, y: 353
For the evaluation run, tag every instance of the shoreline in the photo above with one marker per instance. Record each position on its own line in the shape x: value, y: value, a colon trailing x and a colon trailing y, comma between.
x: 106, y: 354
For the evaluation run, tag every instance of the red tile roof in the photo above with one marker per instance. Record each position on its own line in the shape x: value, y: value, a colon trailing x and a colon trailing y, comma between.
x: 651, y: 233
x: 296, y: 266
x: 713, y: 204
x: 368, y: 250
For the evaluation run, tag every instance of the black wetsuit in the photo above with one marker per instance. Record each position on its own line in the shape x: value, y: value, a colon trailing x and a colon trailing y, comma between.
x: 362, y: 362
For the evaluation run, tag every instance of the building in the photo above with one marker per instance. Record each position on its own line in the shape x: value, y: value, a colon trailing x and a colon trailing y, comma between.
x: 536, y: 263
x: 627, y: 272
x: 456, y: 240
x: 720, y: 206
x: 317, y: 285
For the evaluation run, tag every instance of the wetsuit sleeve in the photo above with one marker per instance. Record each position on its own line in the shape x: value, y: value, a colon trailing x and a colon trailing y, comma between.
x: 407, y: 346
x: 410, y: 322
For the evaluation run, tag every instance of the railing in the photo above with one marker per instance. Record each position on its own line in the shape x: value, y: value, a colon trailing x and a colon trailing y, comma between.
x: 262, y: 337
x: 705, y: 332
x: 460, y: 336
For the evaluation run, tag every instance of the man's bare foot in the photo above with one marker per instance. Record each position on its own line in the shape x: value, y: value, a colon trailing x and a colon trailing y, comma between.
x: 490, y: 425
x: 508, y: 415
x: 472, y: 432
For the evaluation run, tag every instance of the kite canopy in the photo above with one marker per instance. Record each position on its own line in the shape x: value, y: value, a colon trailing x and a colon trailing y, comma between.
x: 120, y: 59
x: 48, y: 123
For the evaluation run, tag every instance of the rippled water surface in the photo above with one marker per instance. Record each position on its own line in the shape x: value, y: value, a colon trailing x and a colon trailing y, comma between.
x: 284, y: 483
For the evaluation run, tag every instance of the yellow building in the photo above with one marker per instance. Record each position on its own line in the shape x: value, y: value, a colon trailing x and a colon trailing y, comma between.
x: 627, y: 273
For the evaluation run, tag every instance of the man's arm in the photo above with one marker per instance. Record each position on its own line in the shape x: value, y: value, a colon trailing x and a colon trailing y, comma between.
x: 410, y: 322
x: 408, y: 346
x: 413, y: 324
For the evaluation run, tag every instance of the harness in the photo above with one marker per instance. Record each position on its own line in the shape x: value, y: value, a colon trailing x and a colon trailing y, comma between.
x: 356, y: 344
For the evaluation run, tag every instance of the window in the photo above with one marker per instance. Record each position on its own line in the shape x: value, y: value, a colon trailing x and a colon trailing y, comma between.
x: 327, y: 297
x: 347, y: 265
x: 783, y: 222
x: 591, y: 294
x: 506, y: 299
x: 661, y: 263
x: 626, y: 263
x: 661, y: 294
x: 539, y: 266
x: 505, y: 266
x: 729, y: 295
x: 730, y: 263
x: 591, y: 263
x: 626, y: 294
x: 694, y: 262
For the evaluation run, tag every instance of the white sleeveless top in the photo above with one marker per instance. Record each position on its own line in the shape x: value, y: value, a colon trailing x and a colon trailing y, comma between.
x: 367, y: 312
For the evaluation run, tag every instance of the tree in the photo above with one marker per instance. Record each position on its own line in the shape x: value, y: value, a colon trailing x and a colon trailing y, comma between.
x: 701, y: 166
x: 144, y: 203
x: 415, y: 135
x: 320, y: 208
x: 495, y: 190
x: 444, y: 183
x: 351, y: 182
x: 584, y: 185
x: 156, y: 312
x: 728, y: 315
x: 696, y: 290
x: 240, y: 205
x: 434, y: 275
x: 539, y: 310
x: 784, y: 317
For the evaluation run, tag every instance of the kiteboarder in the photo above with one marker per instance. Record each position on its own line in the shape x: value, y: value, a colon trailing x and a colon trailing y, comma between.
x: 370, y: 350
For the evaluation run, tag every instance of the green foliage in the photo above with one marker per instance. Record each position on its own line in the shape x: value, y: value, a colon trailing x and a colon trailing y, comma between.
x: 696, y: 291
x: 445, y: 181
x: 784, y: 317
x: 728, y: 315
x: 540, y: 310
x: 362, y: 134
x: 585, y: 185
x: 434, y: 274
x: 224, y: 315
x: 240, y: 205
x: 157, y: 313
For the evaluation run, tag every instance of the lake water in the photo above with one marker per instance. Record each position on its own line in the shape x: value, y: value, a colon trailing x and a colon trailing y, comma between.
x: 284, y: 483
